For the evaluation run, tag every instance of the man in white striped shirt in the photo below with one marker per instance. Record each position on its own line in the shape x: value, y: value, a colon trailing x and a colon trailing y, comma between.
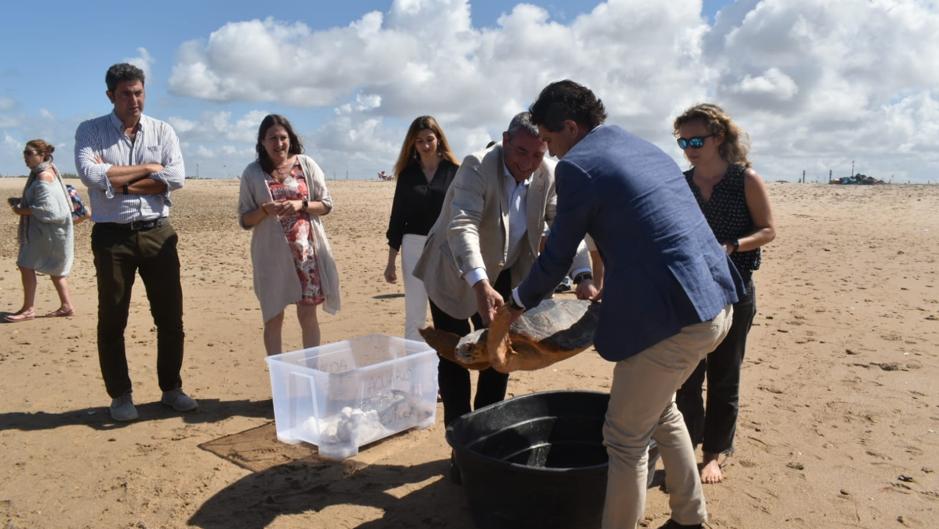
x: 130, y: 163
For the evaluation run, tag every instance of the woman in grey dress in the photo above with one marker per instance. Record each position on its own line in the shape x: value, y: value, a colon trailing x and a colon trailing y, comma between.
x: 45, y: 231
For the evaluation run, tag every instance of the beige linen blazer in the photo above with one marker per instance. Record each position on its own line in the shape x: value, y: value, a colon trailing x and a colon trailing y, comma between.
x: 275, y: 277
x: 472, y: 231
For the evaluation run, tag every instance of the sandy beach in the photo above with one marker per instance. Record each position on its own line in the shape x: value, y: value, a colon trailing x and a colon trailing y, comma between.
x: 839, y: 425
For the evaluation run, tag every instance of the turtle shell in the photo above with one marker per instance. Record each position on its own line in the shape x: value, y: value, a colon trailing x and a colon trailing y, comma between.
x: 555, y: 325
x: 559, y: 324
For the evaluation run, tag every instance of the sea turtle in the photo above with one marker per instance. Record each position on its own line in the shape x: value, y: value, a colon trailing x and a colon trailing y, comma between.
x: 550, y: 332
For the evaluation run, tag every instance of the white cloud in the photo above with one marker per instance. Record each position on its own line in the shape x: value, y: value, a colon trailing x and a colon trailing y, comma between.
x: 771, y: 85
x: 181, y: 125
x: 46, y: 114
x: 246, y: 153
x: 815, y: 83
x: 426, y: 57
x: 218, y: 126
x: 819, y: 83
x: 362, y: 103
x: 143, y: 60
x: 6, y: 103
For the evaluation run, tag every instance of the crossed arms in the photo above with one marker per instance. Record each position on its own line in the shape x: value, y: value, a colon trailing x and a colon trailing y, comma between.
x: 151, y: 178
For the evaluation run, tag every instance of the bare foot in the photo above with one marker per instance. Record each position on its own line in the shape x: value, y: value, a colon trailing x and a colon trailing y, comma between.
x: 711, y: 469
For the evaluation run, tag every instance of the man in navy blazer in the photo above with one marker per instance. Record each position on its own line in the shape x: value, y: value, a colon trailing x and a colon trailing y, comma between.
x: 667, y: 290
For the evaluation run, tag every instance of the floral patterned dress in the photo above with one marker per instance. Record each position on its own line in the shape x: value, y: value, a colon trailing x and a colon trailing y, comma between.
x: 299, y: 234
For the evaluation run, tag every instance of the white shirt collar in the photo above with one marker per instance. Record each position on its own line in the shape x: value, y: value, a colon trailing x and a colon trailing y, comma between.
x: 509, y: 175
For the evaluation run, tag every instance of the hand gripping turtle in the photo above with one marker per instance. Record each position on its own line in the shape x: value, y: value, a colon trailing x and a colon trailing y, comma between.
x: 553, y: 331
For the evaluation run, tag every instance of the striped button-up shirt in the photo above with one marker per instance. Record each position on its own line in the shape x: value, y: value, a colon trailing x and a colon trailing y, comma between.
x: 101, y: 143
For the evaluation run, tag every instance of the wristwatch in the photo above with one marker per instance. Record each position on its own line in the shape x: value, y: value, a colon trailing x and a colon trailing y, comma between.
x: 582, y: 277
x: 124, y: 189
x: 736, y: 244
x: 306, y: 204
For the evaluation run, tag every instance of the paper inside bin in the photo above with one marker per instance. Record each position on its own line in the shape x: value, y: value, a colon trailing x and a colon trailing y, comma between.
x: 387, y: 413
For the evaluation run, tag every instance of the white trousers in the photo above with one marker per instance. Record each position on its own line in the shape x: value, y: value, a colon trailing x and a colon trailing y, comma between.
x: 415, y: 297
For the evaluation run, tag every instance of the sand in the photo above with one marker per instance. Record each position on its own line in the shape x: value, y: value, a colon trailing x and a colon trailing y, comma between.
x: 838, y: 427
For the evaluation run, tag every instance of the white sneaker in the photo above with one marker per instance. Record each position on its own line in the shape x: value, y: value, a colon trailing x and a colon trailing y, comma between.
x: 122, y: 408
x: 179, y: 401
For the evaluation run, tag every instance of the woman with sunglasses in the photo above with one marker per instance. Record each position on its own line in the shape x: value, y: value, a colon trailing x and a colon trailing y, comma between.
x: 45, y: 231
x: 734, y: 200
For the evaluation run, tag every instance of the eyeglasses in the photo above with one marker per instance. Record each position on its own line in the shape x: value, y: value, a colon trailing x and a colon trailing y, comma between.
x: 695, y: 143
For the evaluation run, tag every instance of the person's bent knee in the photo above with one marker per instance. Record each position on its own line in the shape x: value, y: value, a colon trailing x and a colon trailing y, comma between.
x: 623, y: 446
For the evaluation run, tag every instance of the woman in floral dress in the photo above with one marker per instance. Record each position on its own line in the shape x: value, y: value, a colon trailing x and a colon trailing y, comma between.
x: 283, y: 195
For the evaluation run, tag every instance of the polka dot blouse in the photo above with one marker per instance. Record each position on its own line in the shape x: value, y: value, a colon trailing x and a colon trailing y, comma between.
x: 728, y: 215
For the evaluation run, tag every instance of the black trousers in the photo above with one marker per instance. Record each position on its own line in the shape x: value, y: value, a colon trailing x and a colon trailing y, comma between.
x: 454, y: 379
x: 713, y: 425
x: 120, y: 254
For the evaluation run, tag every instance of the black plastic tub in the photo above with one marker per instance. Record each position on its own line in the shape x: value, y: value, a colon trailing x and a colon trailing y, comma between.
x: 535, y: 461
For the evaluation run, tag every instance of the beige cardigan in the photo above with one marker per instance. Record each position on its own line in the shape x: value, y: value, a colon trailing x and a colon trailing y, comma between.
x: 275, y: 277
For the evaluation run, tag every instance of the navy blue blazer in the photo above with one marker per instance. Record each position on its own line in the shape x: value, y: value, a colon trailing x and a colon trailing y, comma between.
x: 664, y: 268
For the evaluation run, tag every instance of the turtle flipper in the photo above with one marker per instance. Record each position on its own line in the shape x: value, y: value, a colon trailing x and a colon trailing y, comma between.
x: 442, y: 341
x: 529, y: 355
x: 498, y: 345
x: 445, y: 344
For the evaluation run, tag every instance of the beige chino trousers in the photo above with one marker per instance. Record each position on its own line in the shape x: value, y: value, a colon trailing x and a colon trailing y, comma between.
x: 642, y: 406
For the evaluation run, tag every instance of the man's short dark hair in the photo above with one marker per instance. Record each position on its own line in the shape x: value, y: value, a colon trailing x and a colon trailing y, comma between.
x: 121, y: 72
x: 522, y: 122
x: 567, y: 100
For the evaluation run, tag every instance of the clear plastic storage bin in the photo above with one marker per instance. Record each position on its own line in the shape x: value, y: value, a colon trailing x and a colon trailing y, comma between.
x: 344, y: 395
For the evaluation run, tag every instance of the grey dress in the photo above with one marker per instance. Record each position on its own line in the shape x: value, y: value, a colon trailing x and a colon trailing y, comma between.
x: 45, y: 237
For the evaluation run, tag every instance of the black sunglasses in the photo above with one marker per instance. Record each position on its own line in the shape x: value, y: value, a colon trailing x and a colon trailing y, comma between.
x: 29, y: 152
x: 695, y: 143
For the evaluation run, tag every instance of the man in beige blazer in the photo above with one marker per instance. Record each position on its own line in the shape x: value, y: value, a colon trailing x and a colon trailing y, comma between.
x: 483, y: 244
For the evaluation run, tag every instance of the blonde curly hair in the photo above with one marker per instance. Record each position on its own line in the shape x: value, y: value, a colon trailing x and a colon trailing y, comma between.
x: 736, y: 144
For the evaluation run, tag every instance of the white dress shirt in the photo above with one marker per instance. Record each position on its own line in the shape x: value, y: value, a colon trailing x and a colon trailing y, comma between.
x: 517, y: 193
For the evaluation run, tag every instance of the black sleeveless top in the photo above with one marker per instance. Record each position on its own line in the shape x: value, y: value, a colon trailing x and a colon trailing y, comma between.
x: 728, y: 215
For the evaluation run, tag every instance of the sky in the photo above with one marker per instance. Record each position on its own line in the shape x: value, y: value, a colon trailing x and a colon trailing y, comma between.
x: 818, y: 85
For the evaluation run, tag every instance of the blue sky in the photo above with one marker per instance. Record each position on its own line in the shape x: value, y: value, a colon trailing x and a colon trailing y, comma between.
x: 798, y: 76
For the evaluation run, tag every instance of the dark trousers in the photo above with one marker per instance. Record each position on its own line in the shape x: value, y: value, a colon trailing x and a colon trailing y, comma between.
x: 714, y: 426
x: 119, y: 255
x: 454, y: 379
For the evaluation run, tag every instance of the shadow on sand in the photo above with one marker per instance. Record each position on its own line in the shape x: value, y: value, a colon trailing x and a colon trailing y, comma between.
x: 254, y: 501
x: 388, y: 296
x: 210, y: 410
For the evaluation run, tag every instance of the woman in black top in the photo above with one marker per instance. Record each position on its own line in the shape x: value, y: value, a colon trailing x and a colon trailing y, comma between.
x: 734, y: 200
x: 424, y: 170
